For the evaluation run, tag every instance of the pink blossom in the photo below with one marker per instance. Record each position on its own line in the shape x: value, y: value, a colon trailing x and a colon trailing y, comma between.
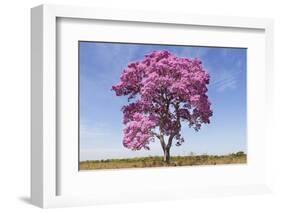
x: 167, y: 91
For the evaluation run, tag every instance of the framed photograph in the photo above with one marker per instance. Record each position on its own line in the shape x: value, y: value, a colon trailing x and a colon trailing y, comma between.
x: 131, y: 106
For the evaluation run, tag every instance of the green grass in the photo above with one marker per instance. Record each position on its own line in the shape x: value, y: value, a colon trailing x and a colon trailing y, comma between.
x: 157, y: 161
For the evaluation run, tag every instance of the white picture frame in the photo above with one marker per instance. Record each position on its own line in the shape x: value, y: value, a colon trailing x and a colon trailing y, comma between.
x: 45, y: 154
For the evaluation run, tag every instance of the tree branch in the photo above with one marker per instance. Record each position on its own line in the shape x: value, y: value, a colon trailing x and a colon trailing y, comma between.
x: 155, y: 134
x: 170, y: 140
x: 162, y: 142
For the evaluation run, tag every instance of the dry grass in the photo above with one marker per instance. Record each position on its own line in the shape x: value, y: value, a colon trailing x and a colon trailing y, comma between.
x: 157, y: 161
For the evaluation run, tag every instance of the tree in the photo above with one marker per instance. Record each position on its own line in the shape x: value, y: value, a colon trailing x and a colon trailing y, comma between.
x: 163, y: 91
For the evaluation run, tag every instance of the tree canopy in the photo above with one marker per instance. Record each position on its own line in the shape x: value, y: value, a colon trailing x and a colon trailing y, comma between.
x: 164, y: 92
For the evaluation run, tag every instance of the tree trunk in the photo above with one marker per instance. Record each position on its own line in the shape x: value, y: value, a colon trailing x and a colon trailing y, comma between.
x: 167, y: 155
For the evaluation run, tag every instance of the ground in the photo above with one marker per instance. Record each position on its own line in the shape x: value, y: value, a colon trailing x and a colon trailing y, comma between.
x: 157, y: 161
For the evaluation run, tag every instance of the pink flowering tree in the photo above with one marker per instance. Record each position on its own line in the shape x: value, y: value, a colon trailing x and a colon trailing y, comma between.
x: 164, y: 92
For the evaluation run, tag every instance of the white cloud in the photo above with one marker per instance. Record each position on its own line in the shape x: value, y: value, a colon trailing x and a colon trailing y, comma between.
x: 226, y: 79
x: 97, y: 129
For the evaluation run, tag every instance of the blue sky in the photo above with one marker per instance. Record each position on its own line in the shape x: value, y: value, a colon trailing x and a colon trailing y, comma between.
x: 101, y: 119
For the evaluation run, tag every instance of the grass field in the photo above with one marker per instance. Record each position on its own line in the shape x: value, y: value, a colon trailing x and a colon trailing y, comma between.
x: 157, y: 161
